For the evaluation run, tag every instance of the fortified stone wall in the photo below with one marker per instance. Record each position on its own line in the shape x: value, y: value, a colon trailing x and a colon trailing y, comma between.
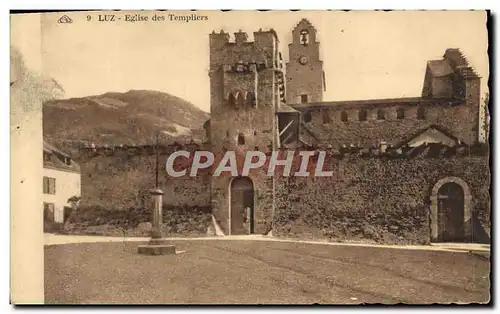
x: 460, y: 120
x: 381, y: 199
x: 122, y: 180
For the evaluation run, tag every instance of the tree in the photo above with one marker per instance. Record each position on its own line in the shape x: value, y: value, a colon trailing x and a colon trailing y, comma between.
x: 74, y: 201
x: 486, y: 117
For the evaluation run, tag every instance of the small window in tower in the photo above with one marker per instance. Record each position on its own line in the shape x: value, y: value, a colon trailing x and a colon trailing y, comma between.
x: 362, y: 115
x: 421, y: 113
x: 227, y: 133
x: 303, y: 99
x: 326, y: 117
x: 250, y: 99
x: 307, y: 117
x: 343, y: 116
x: 241, y: 139
x: 400, y: 113
x: 240, y: 101
x: 254, y: 133
x: 381, y: 114
x: 304, y: 37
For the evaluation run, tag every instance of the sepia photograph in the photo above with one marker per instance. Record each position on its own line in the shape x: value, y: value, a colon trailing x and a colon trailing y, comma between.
x: 250, y: 157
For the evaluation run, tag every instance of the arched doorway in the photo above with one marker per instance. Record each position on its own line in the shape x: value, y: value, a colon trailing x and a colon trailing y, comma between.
x: 242, y: 213
x: 450, y: 213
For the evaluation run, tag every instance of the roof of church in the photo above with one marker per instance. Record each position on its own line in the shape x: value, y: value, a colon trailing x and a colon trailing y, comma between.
x: 459, y: 62
x: 412, y: 136
x: 439, y: 68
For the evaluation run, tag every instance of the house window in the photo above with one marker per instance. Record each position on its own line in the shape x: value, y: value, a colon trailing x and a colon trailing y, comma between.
x: 48, y: 212
x: 381, y: 114
x: 304, y: 37
x: 241, y: 139
x: 303, y: 98
x: 343, y: 116
x: 307, y: 117
x: 421, y: 113
x: 49, y: 185
x: 326, y: 117
x: 362, y: 115
x: 400, y: 113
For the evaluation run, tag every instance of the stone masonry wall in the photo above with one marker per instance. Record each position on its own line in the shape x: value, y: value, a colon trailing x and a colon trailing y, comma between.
x: 122, y: 181
x: 380, y: 200
x: 460, y: 120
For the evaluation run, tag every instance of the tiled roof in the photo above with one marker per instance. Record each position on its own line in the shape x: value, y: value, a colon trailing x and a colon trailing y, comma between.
x: 422, y: 130
x: 57, y: 159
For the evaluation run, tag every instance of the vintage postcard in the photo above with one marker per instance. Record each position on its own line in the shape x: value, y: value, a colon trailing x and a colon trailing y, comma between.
x: 250, y: 157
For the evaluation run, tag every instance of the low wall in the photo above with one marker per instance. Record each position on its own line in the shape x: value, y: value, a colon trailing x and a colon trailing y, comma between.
x: 135, y: 222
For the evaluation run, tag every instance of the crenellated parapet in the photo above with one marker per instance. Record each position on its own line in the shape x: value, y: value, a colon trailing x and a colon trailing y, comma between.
x: 427, y: 150
x: 262, y: 51
x: 387, y: 151
x: 92, y: 151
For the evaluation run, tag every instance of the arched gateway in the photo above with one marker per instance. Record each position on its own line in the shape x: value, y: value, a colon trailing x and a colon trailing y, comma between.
x: 241, y: 206
x: 450, y: 211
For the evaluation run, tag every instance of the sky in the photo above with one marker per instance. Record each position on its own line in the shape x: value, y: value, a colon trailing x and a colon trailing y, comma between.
x: 366, y: 54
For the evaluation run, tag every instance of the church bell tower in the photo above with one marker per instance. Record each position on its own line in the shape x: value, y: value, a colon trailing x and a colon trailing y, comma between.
x: 304, y: 70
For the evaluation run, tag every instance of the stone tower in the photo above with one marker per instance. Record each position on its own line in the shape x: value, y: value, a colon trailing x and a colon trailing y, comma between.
x: 304, y: 71
x: 244, y: 95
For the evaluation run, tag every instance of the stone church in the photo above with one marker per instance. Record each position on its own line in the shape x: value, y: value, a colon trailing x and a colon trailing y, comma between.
x: 406, y: 168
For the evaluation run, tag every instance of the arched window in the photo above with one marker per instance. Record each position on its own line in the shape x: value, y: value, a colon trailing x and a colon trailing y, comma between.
x: 307, y: 117
x: 362, y: 114
x: 250, y: 99
x: 421, y: 113
x: 240, y: 101
x: 343, y: 116
x: 231, y: 100
x: 304, y: 37
x: 241, y: 139
x: 400, y: 113
x: 381, y: 114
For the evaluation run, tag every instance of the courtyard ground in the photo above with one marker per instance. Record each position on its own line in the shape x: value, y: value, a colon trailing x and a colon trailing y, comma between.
x: 261, y: 272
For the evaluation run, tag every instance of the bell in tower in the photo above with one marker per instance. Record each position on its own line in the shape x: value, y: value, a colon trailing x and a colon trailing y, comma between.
x: 304, y: 81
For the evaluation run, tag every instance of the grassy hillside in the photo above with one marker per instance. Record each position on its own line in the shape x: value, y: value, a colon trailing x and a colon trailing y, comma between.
x: 134, y: 117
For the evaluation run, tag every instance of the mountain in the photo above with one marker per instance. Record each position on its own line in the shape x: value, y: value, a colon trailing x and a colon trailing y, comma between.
x: 131, y: 118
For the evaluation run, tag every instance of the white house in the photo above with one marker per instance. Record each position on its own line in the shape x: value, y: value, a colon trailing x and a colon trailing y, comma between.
x: 61, y: 181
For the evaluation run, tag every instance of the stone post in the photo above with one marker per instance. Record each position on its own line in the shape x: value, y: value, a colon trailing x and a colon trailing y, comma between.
x: 157, y: 245
x: 157, y: 217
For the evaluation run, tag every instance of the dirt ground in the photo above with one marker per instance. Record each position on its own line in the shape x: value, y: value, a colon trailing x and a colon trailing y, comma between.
x: 257, y: 272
